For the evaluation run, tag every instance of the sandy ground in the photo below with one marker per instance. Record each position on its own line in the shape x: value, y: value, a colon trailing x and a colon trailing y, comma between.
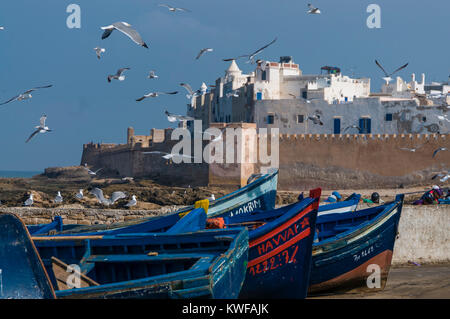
x: 409, y: 282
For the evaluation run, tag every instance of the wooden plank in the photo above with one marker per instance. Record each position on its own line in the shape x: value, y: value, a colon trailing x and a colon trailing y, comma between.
x: 61, y: 274
x: 62, y: 238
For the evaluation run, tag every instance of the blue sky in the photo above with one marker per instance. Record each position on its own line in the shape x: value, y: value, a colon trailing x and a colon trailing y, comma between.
x: 37, y: 49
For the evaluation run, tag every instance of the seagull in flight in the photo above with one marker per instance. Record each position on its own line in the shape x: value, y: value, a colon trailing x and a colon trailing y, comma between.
x: 118, y: 75
x: 98, y: 193
x: 203, y: 51
x: 312, y: 9
x: 58, y: 198
x: 316, y: 119
x: 132, y: 202
x: 26, y: 95
x: 438, y: 150
x: 175, y: 117
x: 234, y: 93
x: 2, y: 28
x: 42, y: 128
x: 173, y: 9
x: 125, y: 28
x: 388, y: 77
x: 443, y: 118
x: 152, y: 75
x: 155, y: 94
x: 190, y: 91
x: 92, y: 173
x: 352, y: 126
x: 169, y: 156
x: 445, y: 176
x: 99, y: 51
x: 251, y: 57
x: 29, y: 201
x: 413, y: 149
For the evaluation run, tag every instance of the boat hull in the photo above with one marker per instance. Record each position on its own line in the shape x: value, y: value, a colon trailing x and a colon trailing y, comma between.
x: 359, y: 261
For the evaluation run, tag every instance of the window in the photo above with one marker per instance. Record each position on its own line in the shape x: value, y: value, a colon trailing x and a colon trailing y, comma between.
x: 424, y: 119
x: 304, y: 94
x: 264, y: 76
x: 270, y: 119
x: 300, y: 118
x: 388, y: 117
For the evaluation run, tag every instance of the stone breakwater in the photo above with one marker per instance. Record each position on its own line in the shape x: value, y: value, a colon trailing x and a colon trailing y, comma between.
x: 84, y: 216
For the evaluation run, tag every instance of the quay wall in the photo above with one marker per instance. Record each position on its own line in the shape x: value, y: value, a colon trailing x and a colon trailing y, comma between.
x: 424, y: 231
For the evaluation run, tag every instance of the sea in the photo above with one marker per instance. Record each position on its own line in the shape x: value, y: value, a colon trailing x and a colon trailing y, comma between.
x: 22, y: 174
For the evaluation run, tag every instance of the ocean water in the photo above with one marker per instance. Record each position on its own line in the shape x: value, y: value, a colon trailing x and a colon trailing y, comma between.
x: 23, y: 174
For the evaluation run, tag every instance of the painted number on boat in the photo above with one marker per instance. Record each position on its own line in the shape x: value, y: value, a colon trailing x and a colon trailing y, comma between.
x: 285, y: 257
x: 363, y: 253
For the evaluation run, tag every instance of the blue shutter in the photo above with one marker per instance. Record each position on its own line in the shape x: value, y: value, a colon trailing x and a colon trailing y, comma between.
x: 259, y: 96
x: 337, y: 126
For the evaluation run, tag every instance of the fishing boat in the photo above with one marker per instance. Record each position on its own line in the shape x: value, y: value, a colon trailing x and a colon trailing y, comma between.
x: 348, y: 205
x: 280, y: 244
x: 203, y: 264
x: 354, y: 250
x: 22, y: 274
x: 258, y: 195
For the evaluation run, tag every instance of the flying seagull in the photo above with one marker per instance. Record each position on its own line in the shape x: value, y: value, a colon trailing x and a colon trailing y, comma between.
x: 152, y: 75
x: 97, y: 192
x: 132, y: 202
x: 175, y: 117
x: 312, y: 9
x: 155, y: 94
x: 443, y: 118
x: 352, y: 126
x: 234, y: 93
x: 190, y: 91
x: 316, y: 119
x: 58, y: 198
x: 39, y: 129
x: 79, y: 195
x: 445, y: 176
x: 118, y: 75
x: 173, y: 9
x: 125, y: 28
x: 93, y: 173
x: 2, y: 28
x: 99, y: 51
x: 412, y: 149
x: 168, y: 156
x: 387, y: 77
x: 438, y: 150
x: 29, y: 201
x: 203, y: 51
x: 26, y: 95
x: 251, y: 57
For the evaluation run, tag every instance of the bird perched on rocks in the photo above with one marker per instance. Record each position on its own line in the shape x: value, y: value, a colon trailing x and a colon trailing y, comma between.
x: 212, y: 197
x: 79, y: 195
x: 29, y: 201
x: 132, y: 202
x: 58, y: 199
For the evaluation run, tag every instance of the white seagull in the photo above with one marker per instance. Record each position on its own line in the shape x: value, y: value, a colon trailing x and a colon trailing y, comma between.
x: 316, y: 119
x: 118, y: 75
x: 79, y: 195
x: 92, y: 173
x: 203, y: 51
x: 152, y: 75
x: 97, y: 192
x: 412, y: 149
x: 168, y: 156
x: 443, y: 118
x: 99, y: 51
x: 155, y: 94
x: 29, y: 201
x: 58, y: 198
x: 388, y: 77
x: 251, y: 57
x: 125, y: 28
x: 42, y: 128
x: 234, y: 93
x: 191, y: 92
x: 26, y: 95
x: 173, y: 9
x: 175, y: 117
x: 2, y: 28
x: 445, y: 176
x: 312, y: 9
x: 212, y: 197
x: 132, y: 202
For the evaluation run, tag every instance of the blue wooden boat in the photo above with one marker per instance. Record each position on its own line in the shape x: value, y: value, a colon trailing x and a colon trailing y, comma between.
x: 55, y: 226
x: 259, y: 195
x: 351, y: 246
x: 350, y: 204
x: 280, y: 244
x: 204, y: 264
x: 22, y: 275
